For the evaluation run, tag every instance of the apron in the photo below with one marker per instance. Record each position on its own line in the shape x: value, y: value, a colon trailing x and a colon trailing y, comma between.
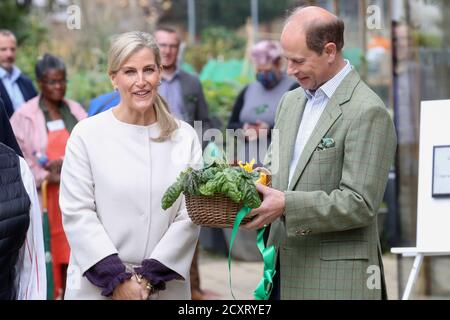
x: 60, y: 249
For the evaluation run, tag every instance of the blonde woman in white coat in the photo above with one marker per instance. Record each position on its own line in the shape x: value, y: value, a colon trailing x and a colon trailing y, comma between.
x: 117, y: 167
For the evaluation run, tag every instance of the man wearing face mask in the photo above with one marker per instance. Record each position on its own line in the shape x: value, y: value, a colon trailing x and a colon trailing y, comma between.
x: 255, y: 107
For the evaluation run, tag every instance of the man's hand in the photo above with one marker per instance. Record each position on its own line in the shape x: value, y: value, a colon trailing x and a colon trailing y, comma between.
x: 271, y: 208
x: 130, y: 290
x: 256, y: 130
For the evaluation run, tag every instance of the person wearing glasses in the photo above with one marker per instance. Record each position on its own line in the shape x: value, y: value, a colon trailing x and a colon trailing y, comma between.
x: 42, y: 127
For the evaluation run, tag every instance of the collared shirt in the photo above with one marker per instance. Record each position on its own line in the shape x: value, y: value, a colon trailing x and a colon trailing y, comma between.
x: 316, y: 104
x: 11, y: 86
x: 170, y: 90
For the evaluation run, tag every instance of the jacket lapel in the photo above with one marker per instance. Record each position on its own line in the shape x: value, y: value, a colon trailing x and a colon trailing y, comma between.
x: 6, y: 100
x: 26, y: 87
x: 184, y: 83
x: 331, y: 113
x: 292, y: 123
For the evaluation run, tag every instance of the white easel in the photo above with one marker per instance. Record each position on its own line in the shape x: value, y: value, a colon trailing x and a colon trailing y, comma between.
x: 413, y: 252
x: 433, y: 215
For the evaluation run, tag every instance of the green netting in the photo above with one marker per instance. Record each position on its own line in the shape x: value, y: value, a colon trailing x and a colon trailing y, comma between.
x: 354, y: 55
x: 188, y: 68
x: 226, y: 71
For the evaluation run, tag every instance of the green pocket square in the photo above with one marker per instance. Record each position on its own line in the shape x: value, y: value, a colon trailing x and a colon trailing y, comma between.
x: 326, y: 143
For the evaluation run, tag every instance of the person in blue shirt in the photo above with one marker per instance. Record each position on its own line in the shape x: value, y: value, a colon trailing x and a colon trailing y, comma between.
x: 103, y: 102
x: 15, y: 87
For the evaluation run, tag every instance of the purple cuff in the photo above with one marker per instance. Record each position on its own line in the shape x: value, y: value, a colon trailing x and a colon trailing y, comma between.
x: 157, y: 273
x: 108, y: 274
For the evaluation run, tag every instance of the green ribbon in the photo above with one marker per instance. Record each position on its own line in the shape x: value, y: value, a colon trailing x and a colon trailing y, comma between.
x: 239, y: 217
x: 264, y: 288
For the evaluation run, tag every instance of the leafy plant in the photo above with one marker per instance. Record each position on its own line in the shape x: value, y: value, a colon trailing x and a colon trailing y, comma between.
x: 237, y: 183
x: 86, y: 84
x: 216, y: 43
x: 220, y: 97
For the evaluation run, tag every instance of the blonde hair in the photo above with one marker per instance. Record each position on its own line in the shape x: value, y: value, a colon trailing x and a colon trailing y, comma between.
x: 122, y: 48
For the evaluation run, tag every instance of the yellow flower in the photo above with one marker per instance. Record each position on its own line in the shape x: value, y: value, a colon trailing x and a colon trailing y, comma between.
x: 248, y: 166
x: 262, y: 179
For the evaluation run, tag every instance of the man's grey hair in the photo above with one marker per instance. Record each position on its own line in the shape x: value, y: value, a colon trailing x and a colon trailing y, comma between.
x: 7, y: 33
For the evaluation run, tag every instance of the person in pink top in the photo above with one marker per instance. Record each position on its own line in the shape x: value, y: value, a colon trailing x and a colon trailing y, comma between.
x: 42, y: 127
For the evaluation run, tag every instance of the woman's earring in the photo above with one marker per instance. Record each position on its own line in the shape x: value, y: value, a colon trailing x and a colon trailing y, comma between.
x: 159, y: 83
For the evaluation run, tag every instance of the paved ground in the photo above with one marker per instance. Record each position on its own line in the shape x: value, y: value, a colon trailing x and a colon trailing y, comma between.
x: 246, y: 276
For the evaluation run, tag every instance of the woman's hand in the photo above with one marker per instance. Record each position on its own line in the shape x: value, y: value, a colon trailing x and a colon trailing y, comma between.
x: 130, y: 290
x: 54, y: 168
x: 261, y: 125
x: 144, y: 286
x: 256, y: 130
x: 250, y: 132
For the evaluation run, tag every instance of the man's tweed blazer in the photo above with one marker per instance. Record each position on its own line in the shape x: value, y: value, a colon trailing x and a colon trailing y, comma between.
x: 328, y: 240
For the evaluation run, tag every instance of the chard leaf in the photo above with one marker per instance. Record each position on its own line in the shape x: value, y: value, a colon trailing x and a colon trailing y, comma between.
x: 171, y: 195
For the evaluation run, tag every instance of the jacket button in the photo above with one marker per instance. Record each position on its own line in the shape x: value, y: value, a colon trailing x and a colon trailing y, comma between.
x: 303, y: 232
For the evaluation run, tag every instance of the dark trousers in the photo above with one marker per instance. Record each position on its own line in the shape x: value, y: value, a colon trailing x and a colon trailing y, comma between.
x: 276, y: 291
x: 194, y: 273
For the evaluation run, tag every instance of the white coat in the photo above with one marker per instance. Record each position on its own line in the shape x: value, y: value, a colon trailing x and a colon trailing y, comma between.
x: 112, y: 182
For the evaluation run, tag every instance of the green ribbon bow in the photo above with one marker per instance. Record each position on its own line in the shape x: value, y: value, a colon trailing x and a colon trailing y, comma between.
x: 264, y: 288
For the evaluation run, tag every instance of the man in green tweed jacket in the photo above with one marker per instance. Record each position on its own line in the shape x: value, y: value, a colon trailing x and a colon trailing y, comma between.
x: 330, y: 166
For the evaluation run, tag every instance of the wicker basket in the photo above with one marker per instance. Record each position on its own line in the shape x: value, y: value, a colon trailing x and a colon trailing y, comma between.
x: 217, y: 211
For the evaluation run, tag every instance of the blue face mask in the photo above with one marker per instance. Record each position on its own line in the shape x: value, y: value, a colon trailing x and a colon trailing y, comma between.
x: 268, y: 79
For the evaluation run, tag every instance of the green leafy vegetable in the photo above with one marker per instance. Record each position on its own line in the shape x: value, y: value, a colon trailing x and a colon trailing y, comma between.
x: 174, y: 191
x: 219, y: 177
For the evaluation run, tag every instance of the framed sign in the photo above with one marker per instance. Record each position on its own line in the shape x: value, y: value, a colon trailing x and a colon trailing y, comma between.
x: 433, y: 213
x: 441, y: 172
